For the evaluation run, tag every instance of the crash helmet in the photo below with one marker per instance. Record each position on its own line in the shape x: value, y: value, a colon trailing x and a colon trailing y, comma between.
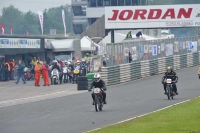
x: 65, y: 62
x: 97, y: 77
x: 83, y: 61
x: 54, y: 62
x: 169, y: 69
x: 78, y: 62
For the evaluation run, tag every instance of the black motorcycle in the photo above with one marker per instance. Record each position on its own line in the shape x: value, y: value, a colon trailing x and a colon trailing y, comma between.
x: 169, y: 89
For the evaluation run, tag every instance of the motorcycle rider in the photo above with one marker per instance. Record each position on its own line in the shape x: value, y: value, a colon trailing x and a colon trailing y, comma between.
x: 55, y: 66
x: 78, y: 65
x: 84, y: 67
x: 84, y: 63
x: 170, y: 74
x: 98, y: 83
x: 71, y: 68
x: 65, y: 74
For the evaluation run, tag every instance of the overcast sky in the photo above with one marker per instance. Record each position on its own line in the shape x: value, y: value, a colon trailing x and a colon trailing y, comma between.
x: 33, y: 5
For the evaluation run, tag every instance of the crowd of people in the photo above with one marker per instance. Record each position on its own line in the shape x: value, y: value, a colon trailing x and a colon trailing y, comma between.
x: 9, y: 67
x: 36, y: 69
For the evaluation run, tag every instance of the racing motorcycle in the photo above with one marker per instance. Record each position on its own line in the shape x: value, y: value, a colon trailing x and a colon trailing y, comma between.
x: 76, y: 73
x: 98, y: 99
x: 65, y: 69
x: 54, y: 77
x: 27, y: 74
x: 169, y: 89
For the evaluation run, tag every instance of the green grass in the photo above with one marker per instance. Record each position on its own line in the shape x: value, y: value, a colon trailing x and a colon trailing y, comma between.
x: 182, y: 118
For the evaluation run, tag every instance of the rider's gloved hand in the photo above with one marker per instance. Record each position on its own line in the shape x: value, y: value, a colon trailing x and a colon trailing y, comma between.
x: 89, y: 90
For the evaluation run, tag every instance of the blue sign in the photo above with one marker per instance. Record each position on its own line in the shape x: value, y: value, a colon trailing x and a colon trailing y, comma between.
x: 141, y: 49
x: 23, y: 41
x: 4, y: 41
x: 191, y: 46
x: 154, y: 50
x: 38, y: 42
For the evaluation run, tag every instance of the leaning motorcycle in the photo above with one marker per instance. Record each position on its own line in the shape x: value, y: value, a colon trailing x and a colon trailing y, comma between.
x: 169, y: 89
x: 98, y: 99
x: 54, y: 77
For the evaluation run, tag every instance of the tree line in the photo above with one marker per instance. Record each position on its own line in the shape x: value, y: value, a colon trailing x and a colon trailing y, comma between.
x: 29, y: 21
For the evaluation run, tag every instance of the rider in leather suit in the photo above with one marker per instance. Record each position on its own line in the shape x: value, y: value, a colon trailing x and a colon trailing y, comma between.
x: 98, y: 83
x: 170, y: 74
x: 56, y: 66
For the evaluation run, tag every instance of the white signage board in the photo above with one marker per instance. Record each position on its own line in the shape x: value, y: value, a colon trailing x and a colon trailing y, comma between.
x: 20, y: 43
x: 152, y: 16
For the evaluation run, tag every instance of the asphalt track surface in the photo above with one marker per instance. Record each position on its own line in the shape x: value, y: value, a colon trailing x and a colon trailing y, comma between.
x: 75, y: 113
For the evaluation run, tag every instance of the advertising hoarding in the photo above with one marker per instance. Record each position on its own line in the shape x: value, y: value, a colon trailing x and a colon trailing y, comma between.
x: 161, y: 16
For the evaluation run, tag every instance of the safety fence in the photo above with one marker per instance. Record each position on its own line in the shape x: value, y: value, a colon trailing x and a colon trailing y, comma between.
x: 135, y: 70
x: 141, y: 50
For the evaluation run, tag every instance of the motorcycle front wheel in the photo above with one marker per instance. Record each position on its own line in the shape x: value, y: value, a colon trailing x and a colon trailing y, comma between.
x: 100, y: 104
x: 96, y: 103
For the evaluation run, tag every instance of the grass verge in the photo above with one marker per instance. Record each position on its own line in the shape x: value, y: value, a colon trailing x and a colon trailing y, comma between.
x: 182, y: 118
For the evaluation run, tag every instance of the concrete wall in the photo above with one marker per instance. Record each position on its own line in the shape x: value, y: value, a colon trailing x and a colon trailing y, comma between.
x: 77, y: 48
x: 42, y: 56
x: 50, y: 55
x: 97, y: 29
x: 18, y: 57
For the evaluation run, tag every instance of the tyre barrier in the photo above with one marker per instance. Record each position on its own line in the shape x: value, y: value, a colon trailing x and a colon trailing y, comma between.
x: 82, y: 83
x: 131, y: 71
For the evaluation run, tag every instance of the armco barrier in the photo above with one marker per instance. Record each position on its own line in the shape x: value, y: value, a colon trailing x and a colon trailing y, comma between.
x: 126, y: 72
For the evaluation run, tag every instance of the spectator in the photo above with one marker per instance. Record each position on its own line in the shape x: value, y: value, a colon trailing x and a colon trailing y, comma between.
x: 139, y: 34
x: 34, y: 61
x: 7, y: 70
x: 20, y: 73
x: 129, y: 35
x: 12, y: 69
x: 45, y: 70
x: 130, y: 57
x: 37, y: 74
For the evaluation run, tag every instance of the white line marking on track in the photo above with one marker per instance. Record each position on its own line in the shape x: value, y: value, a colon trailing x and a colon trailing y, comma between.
x: 143, y: 114
x: 37, y: 98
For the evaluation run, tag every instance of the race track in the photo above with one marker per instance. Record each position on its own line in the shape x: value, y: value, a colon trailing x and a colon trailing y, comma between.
x: 76, y: 114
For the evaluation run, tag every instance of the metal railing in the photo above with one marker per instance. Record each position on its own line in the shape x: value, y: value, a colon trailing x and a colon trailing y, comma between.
x: 118, y: 53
